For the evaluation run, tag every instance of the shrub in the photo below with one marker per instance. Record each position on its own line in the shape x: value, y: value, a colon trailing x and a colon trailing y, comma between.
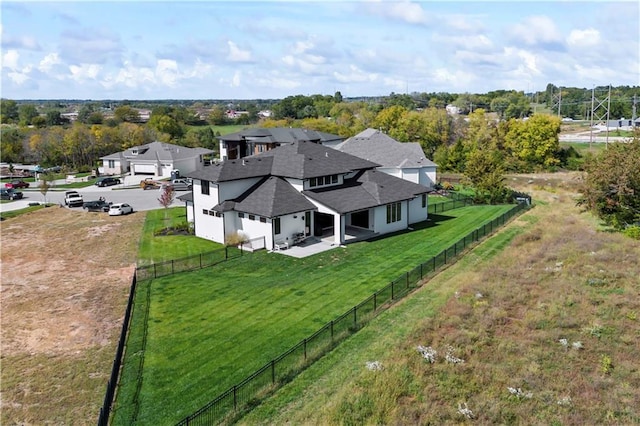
x: 235, y: 239
x: 633, y: 232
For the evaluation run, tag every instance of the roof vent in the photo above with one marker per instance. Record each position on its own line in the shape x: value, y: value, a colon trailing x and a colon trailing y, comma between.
x: 326, y: 154
x: 243, y: 163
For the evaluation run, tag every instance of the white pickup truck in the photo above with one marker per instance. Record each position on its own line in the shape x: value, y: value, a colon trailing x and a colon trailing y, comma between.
x: 73, y: 199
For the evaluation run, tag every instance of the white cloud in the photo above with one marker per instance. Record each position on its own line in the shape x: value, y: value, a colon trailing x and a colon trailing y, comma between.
x: 10, y: 59
x: 454, y: 79
x: 356, y: 75
x: 236, y: 54
x: 167, y: 72
x: 536, y: 30
x: 584, y: 38
x: 48, y: 62
x: 84, y: 72
x: 528, y: 62
x: 402, y: 10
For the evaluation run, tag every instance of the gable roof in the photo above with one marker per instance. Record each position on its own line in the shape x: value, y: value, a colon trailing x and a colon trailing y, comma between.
x: 271, y: 197
x: 298, y: 160
x: 370, y: 188
x: 281, y: 135
x: 155, y: 151
x: 380, y: 148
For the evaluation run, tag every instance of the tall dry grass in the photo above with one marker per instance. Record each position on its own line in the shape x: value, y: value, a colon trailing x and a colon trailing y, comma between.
x: 546, y: 332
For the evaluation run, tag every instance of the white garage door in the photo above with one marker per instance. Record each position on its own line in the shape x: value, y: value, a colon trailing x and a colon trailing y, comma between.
x: 144, y: 168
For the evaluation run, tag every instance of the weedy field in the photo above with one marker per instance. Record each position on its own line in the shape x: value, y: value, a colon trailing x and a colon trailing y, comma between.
x: 539, y: 325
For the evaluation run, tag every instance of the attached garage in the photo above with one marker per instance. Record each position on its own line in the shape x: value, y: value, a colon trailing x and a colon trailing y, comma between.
x: 144, y: 169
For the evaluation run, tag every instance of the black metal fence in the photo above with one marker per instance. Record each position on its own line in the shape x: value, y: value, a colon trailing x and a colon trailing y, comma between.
x: 455, y: 201
x: 103, y: 419
x: 282, y: 369
x: 198, y: 261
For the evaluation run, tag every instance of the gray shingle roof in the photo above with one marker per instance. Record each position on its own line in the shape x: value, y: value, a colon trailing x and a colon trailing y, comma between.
x: 378, y: 147
x: 299, y: 160
x: 282, y: 135
x: 271, y: 197
x: 159, y: 151
x: 368, y: 189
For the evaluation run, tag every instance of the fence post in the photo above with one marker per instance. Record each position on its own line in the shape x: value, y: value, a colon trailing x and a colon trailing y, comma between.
x: 408, y: 278
x: 155, y: 275
x: 172, y: 272
x: 434, y: 263
x: 375, y: 301
x: 235, y: 397
x: 445, y: 257
x: 200, y: 260
x: 273, y: 371
x: 226, y: 255
x: 331, y: 331
x: 421, y: 274
x: 392, y: 295
x: 355, y: 317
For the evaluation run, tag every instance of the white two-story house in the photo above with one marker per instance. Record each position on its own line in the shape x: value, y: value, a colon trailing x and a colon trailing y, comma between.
x: 301, y: 189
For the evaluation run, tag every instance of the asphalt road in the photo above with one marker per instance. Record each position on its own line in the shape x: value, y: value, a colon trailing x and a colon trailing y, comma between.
x: 135, y: 196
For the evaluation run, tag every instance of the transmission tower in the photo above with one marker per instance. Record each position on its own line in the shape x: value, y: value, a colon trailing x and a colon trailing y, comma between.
x: 600, y: 110
x: 557, y: 101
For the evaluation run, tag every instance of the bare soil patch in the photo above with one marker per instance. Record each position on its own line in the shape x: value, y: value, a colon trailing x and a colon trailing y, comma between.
x: 66, y: 275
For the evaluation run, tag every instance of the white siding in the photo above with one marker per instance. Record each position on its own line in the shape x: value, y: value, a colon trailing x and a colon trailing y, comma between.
x: 209, y: 227
x: 411, y: 175
x: 380, y: 223
x: 427, y: 176
x: 233, y: 189
x: 416, y: 212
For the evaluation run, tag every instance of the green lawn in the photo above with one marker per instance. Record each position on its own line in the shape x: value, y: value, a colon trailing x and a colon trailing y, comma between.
x: 156, y: 249
x: 209, y: 329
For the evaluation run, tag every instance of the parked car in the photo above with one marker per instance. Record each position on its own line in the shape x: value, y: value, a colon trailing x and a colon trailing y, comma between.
x: 120, y: 209
x: 178, y: 185
x: 17, y: 183
x: 108, y: 181
x: 97, y: 206
x: 10, y: 194
x: 73, y: 199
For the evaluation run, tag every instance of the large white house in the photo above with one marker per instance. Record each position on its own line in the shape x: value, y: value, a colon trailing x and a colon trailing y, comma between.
x: 154, y: 159
x: 298, y: 190
x: 405, y: 160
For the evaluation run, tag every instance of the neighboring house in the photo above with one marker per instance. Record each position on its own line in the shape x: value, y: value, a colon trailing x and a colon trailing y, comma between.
x: 621, y: 124
x: 256, y: 140
x: 405, y: 160
x: 298, y: 190
x: 155, y: 159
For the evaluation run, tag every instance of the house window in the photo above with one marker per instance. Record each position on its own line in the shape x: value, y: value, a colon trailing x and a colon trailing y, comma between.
x: 204, y: 187
x: 263, y: 219
x: 276, y: 225
x: 252, y: 217
x: 218, y: 214
x: 205, y: 211
x: 313, y: 182
x: 424, y: 200
x: 394, y: 212
x: 240, y: 215
x: 334, y: 179
x: 212, y: 213
x: 112, y: 164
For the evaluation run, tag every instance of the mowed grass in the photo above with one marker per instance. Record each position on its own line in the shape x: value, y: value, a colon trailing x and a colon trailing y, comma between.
x: 209, y: 329
x: 156, y: 249
x: 548, y: 307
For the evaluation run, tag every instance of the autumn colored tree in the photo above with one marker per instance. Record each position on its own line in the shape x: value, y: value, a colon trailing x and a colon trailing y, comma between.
x: 534, y: 143
x: 612, y: 186
x: 167, y: 195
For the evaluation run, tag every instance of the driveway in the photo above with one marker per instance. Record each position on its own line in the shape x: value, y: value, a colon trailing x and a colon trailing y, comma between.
x: 128, y: 192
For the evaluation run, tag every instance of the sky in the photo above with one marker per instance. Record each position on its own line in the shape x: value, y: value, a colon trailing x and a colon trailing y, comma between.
x: 273, y: 49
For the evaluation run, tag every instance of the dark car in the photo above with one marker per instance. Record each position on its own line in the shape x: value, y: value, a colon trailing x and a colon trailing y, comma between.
x: 10, y: 194
x: 108, y: 181
x: 17, y: 183
x: 96, y: 206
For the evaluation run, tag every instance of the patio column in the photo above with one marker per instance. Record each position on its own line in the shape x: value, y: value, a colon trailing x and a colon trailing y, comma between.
x: 338, y: 229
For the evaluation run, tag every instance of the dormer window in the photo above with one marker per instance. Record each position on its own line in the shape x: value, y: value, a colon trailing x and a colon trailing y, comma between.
x: 323, y: 181
x: 134, y: 151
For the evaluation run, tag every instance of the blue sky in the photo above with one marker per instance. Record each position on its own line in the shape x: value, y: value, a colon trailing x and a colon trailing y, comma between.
x: 270, y: 50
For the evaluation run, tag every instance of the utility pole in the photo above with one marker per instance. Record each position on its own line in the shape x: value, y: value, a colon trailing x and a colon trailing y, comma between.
x: 559, y: 101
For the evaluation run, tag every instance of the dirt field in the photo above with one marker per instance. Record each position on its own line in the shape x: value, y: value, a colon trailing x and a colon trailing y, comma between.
x: 66, y: 276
